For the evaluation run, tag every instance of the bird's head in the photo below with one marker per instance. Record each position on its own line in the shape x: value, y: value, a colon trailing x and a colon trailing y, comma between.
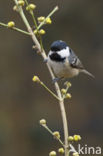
x: 59, y: 50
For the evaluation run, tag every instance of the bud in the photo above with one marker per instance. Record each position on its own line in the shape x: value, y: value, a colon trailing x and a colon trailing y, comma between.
x: 35, y: 32
x: 11, y: 24
x: 42, y: 122
x: 30, y: 7
x: 61, y: 150
x: 21, y: 3
x: 41, y: 31
x: 15, y: 8
x: 48, y: 20
x: 68, y: 96
x: 77, y: 137
x: 56, y: 134
x: 41, y: 19
x: 76, y: 154
x: 63, y: 91
x: 68, y: 84
x: 52, y: 153
x: 70, y: 138
x: 36, y: 79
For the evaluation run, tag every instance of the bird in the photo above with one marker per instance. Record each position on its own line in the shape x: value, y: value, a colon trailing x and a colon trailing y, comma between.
x: 64, y: 62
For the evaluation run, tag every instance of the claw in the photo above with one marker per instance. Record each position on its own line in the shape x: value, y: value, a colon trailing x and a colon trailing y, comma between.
x: 56, y: 79
x: 45, y: 60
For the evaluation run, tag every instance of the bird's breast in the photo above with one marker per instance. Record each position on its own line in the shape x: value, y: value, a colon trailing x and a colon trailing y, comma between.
x: 63, y: 69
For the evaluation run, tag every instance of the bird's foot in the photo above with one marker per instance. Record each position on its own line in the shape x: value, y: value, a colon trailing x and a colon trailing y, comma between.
x: 45, y: 60
x: 56, y: 79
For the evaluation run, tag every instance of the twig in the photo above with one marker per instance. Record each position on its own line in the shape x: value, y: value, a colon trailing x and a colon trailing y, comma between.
x: 35, y: 24
x: 51, y: 13
x: 49, y: 130
x: 26, y: 2
x: 15, y: 28
x: 49, y: 90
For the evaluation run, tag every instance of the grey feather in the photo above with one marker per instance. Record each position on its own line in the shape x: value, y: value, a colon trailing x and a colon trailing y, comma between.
x: 76, y: 63
x: 88, y: 73
x: 74, y: 60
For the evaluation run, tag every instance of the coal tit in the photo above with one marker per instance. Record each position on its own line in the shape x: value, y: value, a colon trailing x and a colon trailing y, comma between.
x: 64, y: 62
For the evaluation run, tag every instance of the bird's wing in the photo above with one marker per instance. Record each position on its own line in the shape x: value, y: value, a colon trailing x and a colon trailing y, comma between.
x: 74, y: 60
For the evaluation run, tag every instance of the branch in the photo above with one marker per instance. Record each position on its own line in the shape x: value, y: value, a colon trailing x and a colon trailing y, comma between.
x: 57, y: 88
x: 49, y: 130
x: 15, y: 28
x: 49, y: 91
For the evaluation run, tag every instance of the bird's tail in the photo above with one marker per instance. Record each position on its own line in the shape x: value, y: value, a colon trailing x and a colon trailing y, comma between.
x: 88, y: 73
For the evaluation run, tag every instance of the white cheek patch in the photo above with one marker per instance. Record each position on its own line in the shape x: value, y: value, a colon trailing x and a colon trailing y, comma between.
x: 64, y: 52
x: 50, y: 52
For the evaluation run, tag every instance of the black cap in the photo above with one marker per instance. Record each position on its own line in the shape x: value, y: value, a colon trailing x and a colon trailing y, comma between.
x: 58, y: 45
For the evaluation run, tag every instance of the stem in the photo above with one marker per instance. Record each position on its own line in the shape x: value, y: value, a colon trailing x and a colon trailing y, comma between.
x: 51, y: 13
x: 26, y: 2
x: 41, y: 43
x: 43, y: 54
x: 49, y: 90
x: 49, y: 130
x: 15, y: 28
x: 35, y: 23
x: 34, y: 20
